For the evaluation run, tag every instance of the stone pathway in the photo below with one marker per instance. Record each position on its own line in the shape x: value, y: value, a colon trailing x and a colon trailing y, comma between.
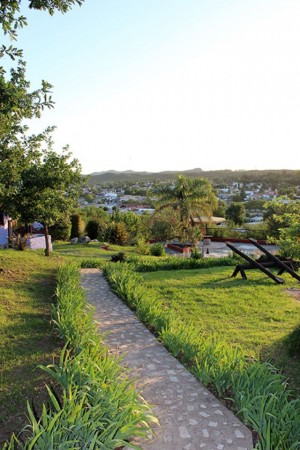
x: 190, y: 416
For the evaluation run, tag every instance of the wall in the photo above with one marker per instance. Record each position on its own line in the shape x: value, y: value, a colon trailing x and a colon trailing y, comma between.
x: 38, y: 241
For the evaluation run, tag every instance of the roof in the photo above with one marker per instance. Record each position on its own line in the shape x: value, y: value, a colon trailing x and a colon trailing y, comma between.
x: 212, y: 219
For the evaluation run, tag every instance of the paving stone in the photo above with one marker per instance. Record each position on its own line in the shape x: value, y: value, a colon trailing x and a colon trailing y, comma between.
x: 190, y: 416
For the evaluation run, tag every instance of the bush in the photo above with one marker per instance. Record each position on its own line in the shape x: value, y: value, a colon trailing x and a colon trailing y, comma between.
x: 157, y: 249
x: 19, y: 242
x: 95, y: 228
x: 196, y: 254
x: 142, y: 247
x: 61, y: 230
x: 77, y: 226
x: 117, y: 234
x: 119, y: 257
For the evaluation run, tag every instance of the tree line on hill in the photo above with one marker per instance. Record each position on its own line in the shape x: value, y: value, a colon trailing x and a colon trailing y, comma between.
x: 219, y: 178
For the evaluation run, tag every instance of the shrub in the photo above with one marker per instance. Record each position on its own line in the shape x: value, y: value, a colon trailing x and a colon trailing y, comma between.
x: 95, y: 228
x: 77, y: 226
x: 117, y: 234
x: 143, y: 247
x: 61, y: 230
x: 19, y: 242
x: 196, y: 254
x: 157, y: 249
x: 119, y: 257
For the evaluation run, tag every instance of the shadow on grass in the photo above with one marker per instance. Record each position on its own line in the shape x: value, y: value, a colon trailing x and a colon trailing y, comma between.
x: 26, y: 342
x: 278, y: 353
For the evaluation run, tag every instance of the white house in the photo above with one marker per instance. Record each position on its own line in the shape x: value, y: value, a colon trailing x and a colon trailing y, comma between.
x: 3, y: 229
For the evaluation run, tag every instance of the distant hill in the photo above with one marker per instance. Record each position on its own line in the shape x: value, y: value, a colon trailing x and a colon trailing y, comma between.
x: 112, y: 176
x: 270, y: 177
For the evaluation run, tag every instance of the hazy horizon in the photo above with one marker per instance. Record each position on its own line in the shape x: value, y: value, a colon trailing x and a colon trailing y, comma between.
x: 187, y: 170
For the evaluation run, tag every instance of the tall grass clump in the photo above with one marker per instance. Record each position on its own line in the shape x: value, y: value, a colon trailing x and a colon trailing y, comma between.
x: 153, y: 264
x: 98, y: 407
x: 256, y: 392
x: 98, y: 263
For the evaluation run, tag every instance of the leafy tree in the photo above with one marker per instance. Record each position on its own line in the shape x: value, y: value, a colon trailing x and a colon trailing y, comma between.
x: 17, y: 148
x: 11, y: 21
x: 130, y: 221
x: 289, y: 192
x: 164, y: 224
x: 236, y: 213
x: 89, y: 197
x: 255, y: 204
x: 48, y: 190
x: 220, y: 209
x: 190, y: 197
x: 144, y: 227
x: 61, y: 230
x: 281, y: 213
x: 94, y: 211
x: 289, y: 240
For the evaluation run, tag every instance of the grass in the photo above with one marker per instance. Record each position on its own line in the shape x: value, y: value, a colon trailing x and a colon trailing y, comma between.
x: 90, y: 250
x: 98, y: 406
x: 255, y: 315
x: 27, y: 284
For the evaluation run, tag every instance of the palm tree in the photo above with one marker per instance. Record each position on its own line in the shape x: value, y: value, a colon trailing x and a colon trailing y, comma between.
x: 191, y: 197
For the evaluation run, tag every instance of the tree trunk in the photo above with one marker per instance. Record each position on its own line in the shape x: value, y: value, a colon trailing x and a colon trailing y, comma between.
x: 10, y: 233
x: 47, y: 249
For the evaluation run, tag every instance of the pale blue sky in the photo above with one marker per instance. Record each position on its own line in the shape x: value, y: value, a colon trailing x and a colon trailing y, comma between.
x: 169, y: 85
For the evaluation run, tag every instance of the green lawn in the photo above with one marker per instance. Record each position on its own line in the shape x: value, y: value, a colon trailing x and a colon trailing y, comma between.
x: 256, y: 314
x: 27, y: 283
x: 27, y: 286
x: 90, y: 250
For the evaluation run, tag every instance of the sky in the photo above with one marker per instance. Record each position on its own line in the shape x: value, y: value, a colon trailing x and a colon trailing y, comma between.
x: 153, y: 85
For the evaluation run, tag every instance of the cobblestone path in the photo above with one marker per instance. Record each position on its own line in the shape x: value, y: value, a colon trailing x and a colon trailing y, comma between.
x: 190, y: 416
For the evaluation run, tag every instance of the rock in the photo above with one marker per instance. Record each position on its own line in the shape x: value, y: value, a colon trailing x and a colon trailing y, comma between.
x: 74, y: 241
x: 84, y: 240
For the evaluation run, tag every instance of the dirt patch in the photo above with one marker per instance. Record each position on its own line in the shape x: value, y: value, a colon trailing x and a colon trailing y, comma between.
x: 295, y: 292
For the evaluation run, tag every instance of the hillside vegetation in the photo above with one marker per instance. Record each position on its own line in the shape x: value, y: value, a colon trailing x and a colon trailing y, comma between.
x: 271, y: 177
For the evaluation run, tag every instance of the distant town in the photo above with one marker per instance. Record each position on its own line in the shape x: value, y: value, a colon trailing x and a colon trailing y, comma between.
x: 132, y: 191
